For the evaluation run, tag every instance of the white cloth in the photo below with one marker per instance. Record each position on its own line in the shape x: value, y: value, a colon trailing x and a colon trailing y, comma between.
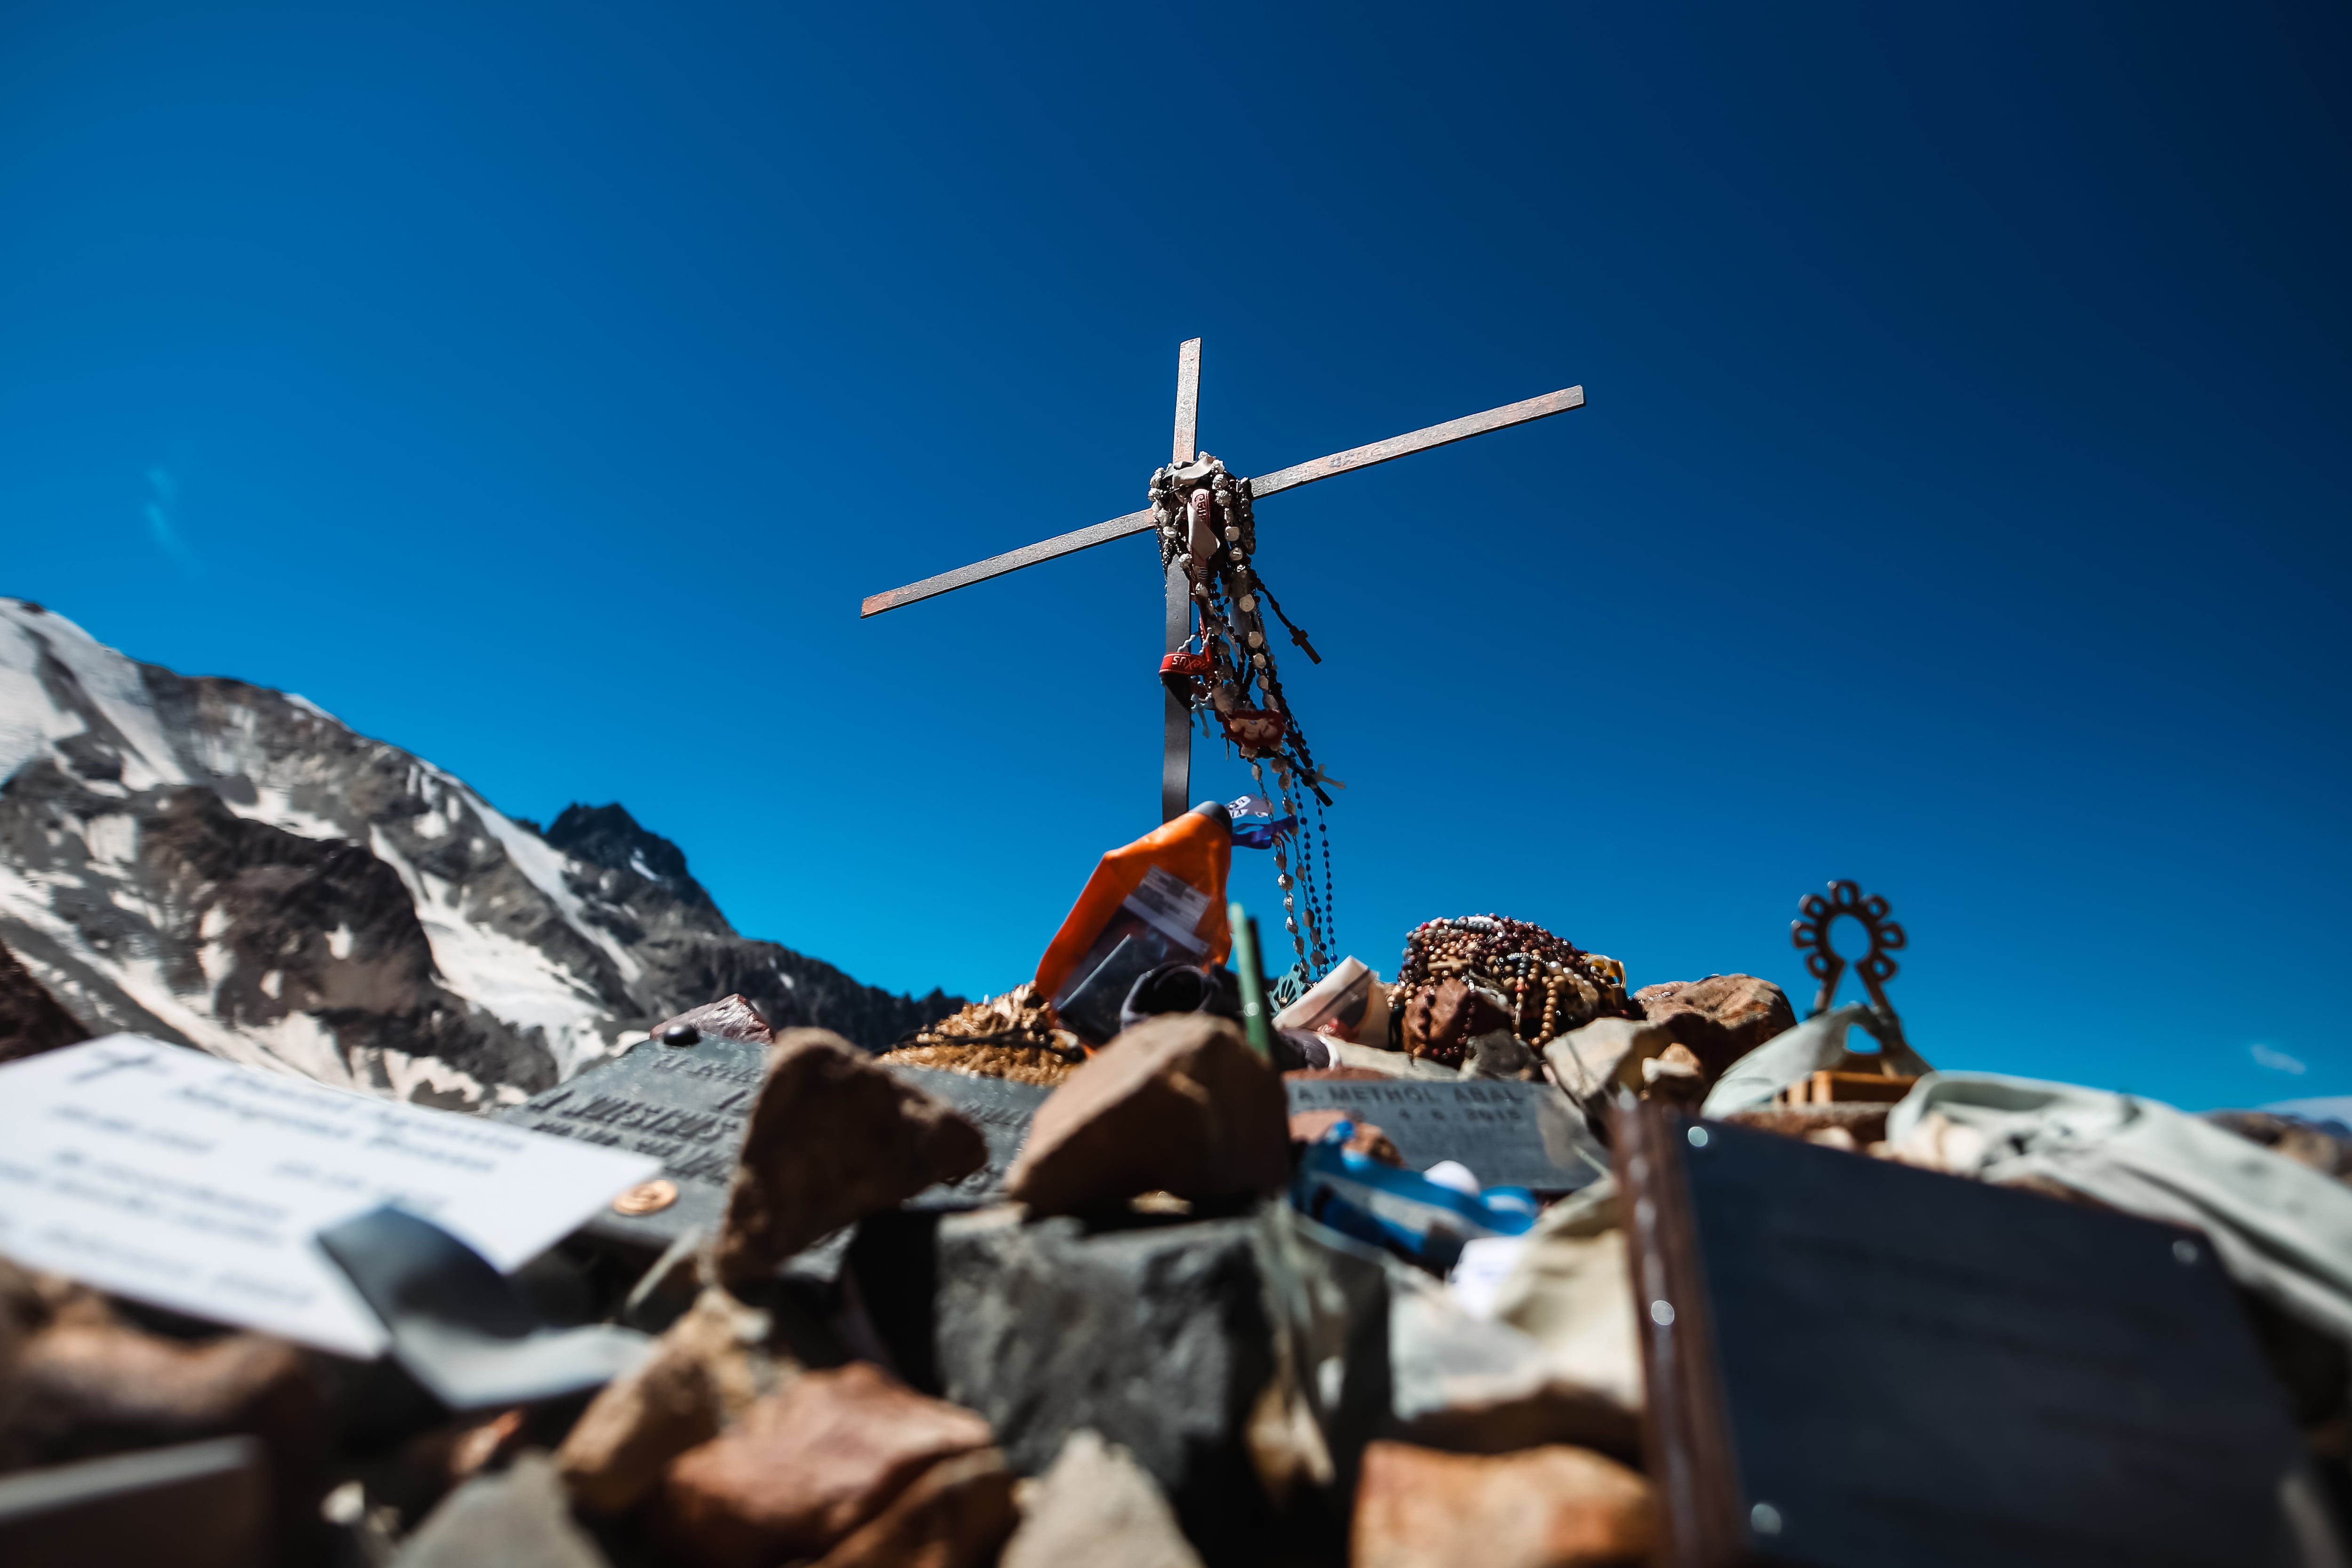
x: 2283, y: 1230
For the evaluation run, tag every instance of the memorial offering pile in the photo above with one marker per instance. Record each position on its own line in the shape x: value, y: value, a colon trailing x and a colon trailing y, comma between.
x: 1494, y: 1262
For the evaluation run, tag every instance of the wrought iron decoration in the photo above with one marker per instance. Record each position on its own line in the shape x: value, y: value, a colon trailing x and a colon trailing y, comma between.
x: 1810, y: 931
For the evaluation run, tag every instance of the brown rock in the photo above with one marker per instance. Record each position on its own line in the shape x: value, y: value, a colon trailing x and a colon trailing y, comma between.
x: 1722, y: 1018
x: 79, y: 1390
x: 31, y: 1020
x: 1605, y: 1056
x: 1099, y: 1508
x: 709, y: 1368
x: 1179, y: 1104
x: 954, y: 1515
x: 1554, y: 1506
x: 1310, y: 1126
x: 1674, y: 1074
x: 833, y: 1138
x: 808, y: 1465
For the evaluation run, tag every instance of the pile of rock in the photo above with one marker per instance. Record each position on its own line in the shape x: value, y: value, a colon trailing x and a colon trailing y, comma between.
x: 1143, y: 1356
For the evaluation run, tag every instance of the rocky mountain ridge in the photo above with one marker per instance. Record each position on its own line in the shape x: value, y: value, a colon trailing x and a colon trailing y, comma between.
x: 232, y: 867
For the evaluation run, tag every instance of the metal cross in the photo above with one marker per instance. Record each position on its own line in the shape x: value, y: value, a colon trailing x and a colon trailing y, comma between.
x: 1176, y: 768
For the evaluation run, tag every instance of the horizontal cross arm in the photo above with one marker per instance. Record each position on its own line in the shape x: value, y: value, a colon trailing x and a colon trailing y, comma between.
x: 1460, y: 429
x: 1011, y: 561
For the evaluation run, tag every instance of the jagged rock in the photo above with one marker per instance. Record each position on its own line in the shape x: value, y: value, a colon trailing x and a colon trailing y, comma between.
x: 954, y: 1515
x: 707, y: 1369
x: 31, y: 1020
x: 81, y: 1388
x: 808, y: 1465
x: 1158, y: 1337
x: 1554, y: 1506
x: 1722, y: 1018
x: 1498, y: 1054
x: 1178, y: 1104
x: 1593, y: 1062
x: 1098, y: 1507
x: 516, y: 1519
x: 833, y: 1138
x: 1475, y: 1385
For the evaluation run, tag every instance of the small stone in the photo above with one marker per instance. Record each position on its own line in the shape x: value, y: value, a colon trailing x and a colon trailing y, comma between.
x: 1178, y: 1104
x: 680, y: 1035
x: 1098, y: 1507
x: 954, y: 1515
x: 808, y: 1465
x: 729, y: 1018
x: 831, y: 1138
x: 709, y: 1368
x: 1675, y: 1074
x: 1498, y: 1054
x: 1553, y: 1507
x: 1722, y: 1018
x: 1605, y: 1056
x: 517, y: 1519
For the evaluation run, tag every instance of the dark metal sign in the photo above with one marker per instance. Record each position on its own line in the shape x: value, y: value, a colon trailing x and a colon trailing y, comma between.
x: 686, y: 1106
x: 1507, y: 1132
x: 1852, y: 1363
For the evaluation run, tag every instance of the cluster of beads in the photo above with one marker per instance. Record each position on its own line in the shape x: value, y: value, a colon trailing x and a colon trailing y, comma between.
x: 1208, y: 531
x: 1518, y: 960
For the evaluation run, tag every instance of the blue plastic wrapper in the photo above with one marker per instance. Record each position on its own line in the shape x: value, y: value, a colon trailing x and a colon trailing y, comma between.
x: 1404, y: 1211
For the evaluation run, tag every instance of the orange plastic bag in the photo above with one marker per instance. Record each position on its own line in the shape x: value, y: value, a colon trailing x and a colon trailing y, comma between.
x: 1161, y: 898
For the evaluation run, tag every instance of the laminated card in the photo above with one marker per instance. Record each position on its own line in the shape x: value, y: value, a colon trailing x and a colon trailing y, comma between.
x: 170, y: 1176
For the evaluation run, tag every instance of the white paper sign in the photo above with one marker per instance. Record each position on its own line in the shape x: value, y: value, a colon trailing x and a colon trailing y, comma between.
x: 162, y: 1174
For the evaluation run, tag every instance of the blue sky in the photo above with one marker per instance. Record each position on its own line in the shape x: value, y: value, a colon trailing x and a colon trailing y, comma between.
x: 1960, y: 506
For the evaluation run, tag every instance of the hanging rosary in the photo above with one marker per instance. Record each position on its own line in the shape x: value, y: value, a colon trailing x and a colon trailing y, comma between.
x: 1206, y: 528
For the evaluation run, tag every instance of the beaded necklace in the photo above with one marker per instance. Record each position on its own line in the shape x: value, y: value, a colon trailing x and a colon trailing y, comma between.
x: 1550, y: 985
x: 1206, y: 527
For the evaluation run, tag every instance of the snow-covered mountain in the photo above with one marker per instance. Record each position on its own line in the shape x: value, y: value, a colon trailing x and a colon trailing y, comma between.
x: 230, y: 867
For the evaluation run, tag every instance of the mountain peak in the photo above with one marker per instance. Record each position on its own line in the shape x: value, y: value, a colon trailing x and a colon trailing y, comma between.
x: 232, y: 867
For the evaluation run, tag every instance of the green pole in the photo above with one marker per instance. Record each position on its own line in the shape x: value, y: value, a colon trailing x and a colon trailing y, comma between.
x: 1257, y: 1017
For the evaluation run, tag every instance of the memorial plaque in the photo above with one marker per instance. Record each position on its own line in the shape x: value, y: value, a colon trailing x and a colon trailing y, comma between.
x: 686, y: 1105
x: 1507, y: 1132
x: 1854, y: 1362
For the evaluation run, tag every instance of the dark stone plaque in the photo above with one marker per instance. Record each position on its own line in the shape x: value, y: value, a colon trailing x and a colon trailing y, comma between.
x: 686, y: 1105
x: 1508, y: 1133
x: 1854, y: 1362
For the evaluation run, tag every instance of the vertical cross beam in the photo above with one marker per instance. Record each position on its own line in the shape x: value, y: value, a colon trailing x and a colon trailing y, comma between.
x: 1176, y: 762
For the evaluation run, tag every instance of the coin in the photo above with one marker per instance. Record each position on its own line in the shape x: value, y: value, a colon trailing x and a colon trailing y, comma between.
x: 647, y: 1197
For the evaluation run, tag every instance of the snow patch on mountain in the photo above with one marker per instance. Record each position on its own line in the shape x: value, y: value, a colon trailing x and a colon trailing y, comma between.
x: 233, y: 867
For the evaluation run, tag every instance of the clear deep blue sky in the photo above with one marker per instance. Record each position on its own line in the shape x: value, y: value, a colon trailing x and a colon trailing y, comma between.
x: 1960, y: 506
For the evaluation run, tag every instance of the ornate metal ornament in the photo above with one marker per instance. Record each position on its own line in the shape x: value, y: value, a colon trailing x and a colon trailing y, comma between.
x: 1809, y: 932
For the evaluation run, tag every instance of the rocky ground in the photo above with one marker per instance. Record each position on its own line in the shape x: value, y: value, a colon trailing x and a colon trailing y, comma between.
x: 1145, y: 1357
x: 230, y: 867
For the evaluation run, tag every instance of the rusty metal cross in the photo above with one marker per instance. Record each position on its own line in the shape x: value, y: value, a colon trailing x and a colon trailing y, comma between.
x: 1176, y: 767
